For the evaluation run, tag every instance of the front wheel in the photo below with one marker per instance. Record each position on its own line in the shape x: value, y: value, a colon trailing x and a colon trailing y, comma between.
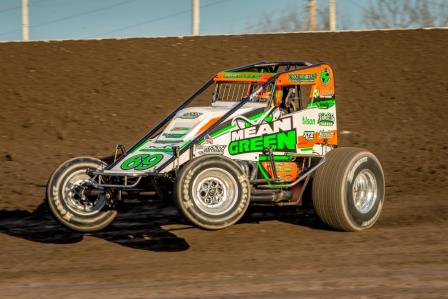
x: 348, y: 189
x: 70, y: 200
x: 212, y: 192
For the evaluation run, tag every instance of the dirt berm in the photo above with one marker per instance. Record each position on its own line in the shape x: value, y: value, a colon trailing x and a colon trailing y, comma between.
x: 69, y: 98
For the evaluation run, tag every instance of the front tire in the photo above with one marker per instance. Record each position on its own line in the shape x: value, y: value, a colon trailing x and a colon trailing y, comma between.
x: 68, y: 201
x: 348, y: 189
x: 212, y: 192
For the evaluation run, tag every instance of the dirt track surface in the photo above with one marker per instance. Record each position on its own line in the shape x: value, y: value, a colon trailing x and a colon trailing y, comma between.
x: 65, y: 99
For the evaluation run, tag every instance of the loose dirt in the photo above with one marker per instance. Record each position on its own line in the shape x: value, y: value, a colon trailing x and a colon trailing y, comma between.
x: 64, y: 99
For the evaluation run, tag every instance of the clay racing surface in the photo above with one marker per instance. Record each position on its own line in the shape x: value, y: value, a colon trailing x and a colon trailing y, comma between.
x: 64, y: 99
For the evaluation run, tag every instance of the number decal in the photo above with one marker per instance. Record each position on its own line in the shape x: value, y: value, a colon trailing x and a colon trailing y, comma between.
x: 141, y: 161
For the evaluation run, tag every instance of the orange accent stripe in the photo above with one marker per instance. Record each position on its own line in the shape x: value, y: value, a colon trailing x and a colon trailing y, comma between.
x: 207, y: 125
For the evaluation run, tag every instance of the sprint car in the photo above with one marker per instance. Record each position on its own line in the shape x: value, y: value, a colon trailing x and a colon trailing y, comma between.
x: 268, y: 136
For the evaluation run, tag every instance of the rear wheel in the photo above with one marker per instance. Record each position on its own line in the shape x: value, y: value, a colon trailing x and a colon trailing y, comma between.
x: 70, y: 199
x: 212, y: 192
x: 348, y: 189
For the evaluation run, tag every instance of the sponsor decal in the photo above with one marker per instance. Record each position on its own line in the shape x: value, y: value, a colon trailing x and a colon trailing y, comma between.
x: 190, y: 115
x: 283, y: 124
x: 173, y: 135
x: 323, y: 103
x: 180, y: 129
x: 141, y: 161
x: 279, y: 135
x: 325, y: 119
x: 326, y: 134
x: 241, y: 76
x: 308, y: 135
x: 325, y: 77
x: 300, y: 78
x: 308, y: 121
x: 211, y: 149
x: 327, y: 95
x: 282, y: 141
x: 208, y: 139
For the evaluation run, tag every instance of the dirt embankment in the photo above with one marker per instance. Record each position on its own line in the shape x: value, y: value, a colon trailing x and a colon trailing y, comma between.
x: 71, y: 98
x: 63, y: 99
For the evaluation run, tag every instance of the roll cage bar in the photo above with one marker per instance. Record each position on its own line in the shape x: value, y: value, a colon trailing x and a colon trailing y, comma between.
x: 270, y: 67
x: 279, y: 68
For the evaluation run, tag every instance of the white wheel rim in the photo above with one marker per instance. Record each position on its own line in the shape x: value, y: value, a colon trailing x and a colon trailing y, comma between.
x: 365, y: 191
x: 214, y: 191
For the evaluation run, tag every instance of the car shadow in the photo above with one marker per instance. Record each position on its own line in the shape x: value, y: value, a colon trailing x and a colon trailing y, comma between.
x: 138, y: 225
x: 302, y: 216
x: 36, y: 226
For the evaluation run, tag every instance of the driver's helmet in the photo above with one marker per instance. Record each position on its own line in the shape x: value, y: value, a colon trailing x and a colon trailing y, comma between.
x: 264, y: 96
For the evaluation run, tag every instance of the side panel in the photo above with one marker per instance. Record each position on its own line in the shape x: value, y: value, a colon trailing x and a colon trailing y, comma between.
x: 312, y: 131
x: 248, y: 142
x: 316, y: 130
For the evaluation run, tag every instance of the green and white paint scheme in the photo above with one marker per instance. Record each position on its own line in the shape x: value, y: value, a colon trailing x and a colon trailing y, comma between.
x: 243, y: 136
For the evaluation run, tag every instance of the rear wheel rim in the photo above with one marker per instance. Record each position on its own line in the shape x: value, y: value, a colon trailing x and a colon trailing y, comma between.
x: 214, y: 191
x: 365, y: 191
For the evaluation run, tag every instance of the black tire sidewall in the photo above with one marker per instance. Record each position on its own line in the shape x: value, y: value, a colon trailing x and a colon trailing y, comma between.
x: 60, y: 209
x: 364, y: 160
x: 189, y: 208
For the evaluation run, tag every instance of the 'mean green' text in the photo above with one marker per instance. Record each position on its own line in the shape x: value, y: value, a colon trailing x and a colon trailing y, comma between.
x: 281, y: 141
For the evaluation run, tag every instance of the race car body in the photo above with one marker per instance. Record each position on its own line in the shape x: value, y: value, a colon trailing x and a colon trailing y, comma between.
x: 268, y: 134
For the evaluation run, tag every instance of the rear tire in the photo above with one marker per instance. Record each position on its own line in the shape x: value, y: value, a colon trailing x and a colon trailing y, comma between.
x: 212, y: 192
x: 348, y: 189
x: 68, y: 202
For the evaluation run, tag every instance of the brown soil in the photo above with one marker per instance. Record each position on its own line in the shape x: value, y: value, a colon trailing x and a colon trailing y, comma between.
x: 71, y: 98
